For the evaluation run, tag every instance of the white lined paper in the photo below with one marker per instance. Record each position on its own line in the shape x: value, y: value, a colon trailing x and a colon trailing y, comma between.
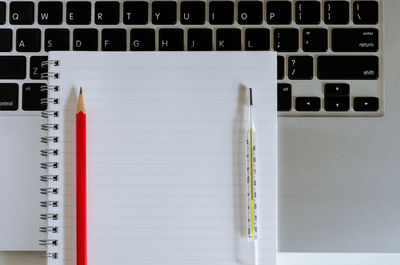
x: 164, y: 187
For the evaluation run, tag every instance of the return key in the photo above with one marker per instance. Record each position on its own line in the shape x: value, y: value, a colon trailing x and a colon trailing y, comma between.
x: 355, y: 40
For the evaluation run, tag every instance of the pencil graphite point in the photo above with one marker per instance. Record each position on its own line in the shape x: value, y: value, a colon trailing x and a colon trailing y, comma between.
x: 251, y: 96
x: 81, y: 105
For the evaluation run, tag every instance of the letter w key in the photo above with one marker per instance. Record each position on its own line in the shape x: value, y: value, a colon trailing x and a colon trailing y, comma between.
x: 50, y: 13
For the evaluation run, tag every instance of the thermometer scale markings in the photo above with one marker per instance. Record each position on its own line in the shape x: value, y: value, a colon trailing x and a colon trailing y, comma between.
x: 251, y: 175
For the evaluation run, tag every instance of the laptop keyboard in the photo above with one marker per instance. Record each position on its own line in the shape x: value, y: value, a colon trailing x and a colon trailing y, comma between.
x: 329, y: 53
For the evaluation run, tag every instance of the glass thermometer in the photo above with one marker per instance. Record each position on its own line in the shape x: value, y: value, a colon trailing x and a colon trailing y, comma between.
x: 251, y: 174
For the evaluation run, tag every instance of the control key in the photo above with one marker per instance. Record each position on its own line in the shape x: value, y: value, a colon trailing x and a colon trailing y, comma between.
x: 8, y: 96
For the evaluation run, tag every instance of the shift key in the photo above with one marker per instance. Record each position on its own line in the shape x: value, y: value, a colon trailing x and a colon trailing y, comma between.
x: 348, y: 67
x: 8, y: 96
x: 12, y: 67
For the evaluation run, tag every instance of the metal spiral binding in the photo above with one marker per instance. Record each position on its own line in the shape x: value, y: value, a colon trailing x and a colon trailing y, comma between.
x: 49, y: 126
x: 48, y: 139
x: 46, y: 229
x: 47, y: 178
x: 49, y: 216
x: 48, y: 152
x: 45, y: 101
x: 44, y: 88
x: 49, y: 204
x: 49, y: 255
x: 49, y: 75
x: 50, y: 62
x: 45, y: 114
x: 48, y: 242
x: 48, y: 164
x: 48, y: 191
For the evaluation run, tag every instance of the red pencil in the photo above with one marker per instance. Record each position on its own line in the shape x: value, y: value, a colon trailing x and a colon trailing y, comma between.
x: 81, y: 238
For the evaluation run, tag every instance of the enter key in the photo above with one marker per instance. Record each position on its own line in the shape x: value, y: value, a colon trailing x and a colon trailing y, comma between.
x: 355, y: 40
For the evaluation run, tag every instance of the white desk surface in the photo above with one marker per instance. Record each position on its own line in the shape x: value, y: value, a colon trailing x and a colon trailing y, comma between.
x: 32, y: 258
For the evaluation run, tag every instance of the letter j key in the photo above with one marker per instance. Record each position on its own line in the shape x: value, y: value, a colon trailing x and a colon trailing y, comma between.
x: 199, y: 40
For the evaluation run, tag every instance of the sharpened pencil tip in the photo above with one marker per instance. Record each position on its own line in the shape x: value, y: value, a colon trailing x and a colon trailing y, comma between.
x: 81, y: 105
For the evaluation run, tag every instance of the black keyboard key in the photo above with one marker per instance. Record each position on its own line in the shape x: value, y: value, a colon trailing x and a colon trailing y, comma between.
x: 250, y: 12
x: 32, y: 96
x: 257, y: 39
x: 8, y: 96
x: 221, y: 13
x: 337, y: 97
x: 228, y: 40
x: 336, y: 12
x: 113, y: 40
x: 85, y: 40
x: 366, y: 104
x: 284, y: 97
x: 286, y: 40
x: 300, y: 67
x: 337, y: 103
x: 50, y: 13
x: 21, y: 13
x: 106, y: 13
x: 79, y: 13
x: 308, y: 104
x: 170, y: 40
x: 12, y: 67
x: 348, y: 67
x: 281, y: 67
x: 56, y: 40
x: 142, y: 40
x: 5, y: 40
x: 199, y: 40
x: 164, y: 13
x: 365, y: 12
x: 36, y: 69
x: 308, y: 12
x: 315, y: 40
x: 337, y: 90
x: 136, y: 12
x: 279, y: 12
x: 193, y: 12
x: 355, y: 40
x: 28, y: 40
x: 2, y: 13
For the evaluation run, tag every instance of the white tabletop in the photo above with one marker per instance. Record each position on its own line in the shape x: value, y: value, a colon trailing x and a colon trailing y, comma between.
x: 32, y: 258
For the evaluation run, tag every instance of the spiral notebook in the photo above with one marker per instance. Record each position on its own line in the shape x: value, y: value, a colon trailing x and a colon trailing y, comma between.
x: 166, y: 157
